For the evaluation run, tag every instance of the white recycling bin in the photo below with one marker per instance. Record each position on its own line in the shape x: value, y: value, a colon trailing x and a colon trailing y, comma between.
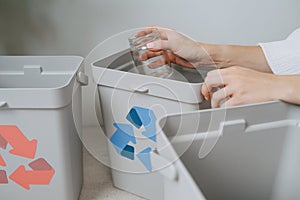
x: 256, y: 155
x: 131, y: 104
x: 40, y: 149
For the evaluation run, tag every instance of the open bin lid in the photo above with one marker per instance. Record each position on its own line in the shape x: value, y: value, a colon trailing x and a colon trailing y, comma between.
x: 117, y: 71
x: 37, y: 81
x: 256, y: 155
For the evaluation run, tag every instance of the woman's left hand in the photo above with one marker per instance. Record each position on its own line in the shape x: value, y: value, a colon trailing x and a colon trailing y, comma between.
x: 239, y: 86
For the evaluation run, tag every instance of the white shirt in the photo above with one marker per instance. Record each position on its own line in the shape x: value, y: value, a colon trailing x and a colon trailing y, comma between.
x: 283, y: 56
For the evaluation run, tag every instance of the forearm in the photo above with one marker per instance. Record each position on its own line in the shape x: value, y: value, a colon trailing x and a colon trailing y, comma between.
x: 251, y: 57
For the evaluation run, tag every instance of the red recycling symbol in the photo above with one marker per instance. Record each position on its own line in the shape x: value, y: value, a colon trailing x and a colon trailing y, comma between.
x: 41, y: 173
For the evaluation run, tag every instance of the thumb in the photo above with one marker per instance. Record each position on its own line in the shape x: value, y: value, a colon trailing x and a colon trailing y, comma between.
x: 159, y: 45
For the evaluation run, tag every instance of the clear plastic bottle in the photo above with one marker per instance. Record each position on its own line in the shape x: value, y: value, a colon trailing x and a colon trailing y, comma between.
x: 158, y: 66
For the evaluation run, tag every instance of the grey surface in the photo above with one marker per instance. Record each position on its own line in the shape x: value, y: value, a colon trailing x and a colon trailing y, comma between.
x: 97, y: 182
x: 76, y: 27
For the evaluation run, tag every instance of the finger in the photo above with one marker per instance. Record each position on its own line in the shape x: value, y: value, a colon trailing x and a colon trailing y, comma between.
x: 205, y: 92
x: 217, y: 74
x: 164, y: 33
x: 143, y: 32
x: 224, y: 72
x: 219, y: 96
x: 150, y: 29
x: 214, y: 79
x: 178, y: 60
x: 172, y: 58
x: 213, y: 85
x: 158, y: 63
x: 150, y: 54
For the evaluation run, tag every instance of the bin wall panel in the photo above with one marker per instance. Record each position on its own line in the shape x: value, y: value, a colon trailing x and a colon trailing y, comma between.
x: 57, y: 142
x: 129, y: 174
x: 259, y: 161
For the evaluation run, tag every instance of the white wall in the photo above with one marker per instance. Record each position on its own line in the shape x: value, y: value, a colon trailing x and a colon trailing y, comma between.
x: 76, y: 26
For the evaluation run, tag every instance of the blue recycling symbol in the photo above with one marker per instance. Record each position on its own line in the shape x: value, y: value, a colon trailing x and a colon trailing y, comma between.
x: 124, y: 134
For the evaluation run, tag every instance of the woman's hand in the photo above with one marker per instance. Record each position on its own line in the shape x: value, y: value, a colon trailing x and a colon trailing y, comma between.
x: 179, y: 48
x: 243, y: 86
x: 189, y: 53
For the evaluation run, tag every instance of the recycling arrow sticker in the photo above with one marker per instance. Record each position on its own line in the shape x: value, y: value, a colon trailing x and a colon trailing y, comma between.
x: 41, y: 172
x: 124, y: 133
x: 20, y: 144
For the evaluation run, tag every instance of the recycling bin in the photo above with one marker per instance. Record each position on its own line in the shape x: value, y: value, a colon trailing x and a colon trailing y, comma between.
x: 256, y: 154
x: 131, y: 104
x: 40, y: 149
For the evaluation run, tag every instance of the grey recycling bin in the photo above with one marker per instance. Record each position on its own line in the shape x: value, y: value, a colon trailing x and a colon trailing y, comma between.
x: 131, y: 104
x: 40, y: 149
x: 256, y: 155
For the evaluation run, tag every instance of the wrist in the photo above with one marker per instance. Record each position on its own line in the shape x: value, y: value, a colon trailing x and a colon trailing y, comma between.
x: 219, y: 55
x: 282, y: 88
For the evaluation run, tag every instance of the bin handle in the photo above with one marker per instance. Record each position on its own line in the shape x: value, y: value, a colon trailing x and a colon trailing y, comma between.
x: 82, y: 78
x: 236, y: 125
x: 241, y: 125
x: 2, y: 104
x: 142, y: 90
x: 272, y: 125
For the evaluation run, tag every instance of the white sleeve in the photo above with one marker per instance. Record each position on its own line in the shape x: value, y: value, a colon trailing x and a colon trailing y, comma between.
x: 283, y: 56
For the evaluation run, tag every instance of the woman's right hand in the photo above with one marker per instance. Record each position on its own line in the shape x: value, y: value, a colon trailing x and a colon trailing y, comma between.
x: 180, y: 49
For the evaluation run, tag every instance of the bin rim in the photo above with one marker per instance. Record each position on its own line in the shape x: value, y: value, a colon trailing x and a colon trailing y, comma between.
x: 185, y: 92
x: 47, y: 88
x: 59, y: 96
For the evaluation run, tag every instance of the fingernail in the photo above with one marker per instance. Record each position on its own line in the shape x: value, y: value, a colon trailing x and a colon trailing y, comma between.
x: 151, y: 65
x: 150, y: 45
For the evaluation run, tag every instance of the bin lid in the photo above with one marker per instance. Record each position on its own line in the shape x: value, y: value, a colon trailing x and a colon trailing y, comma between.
x: 116, y: 71
x: 37, y: 81
x: 254, y: 150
